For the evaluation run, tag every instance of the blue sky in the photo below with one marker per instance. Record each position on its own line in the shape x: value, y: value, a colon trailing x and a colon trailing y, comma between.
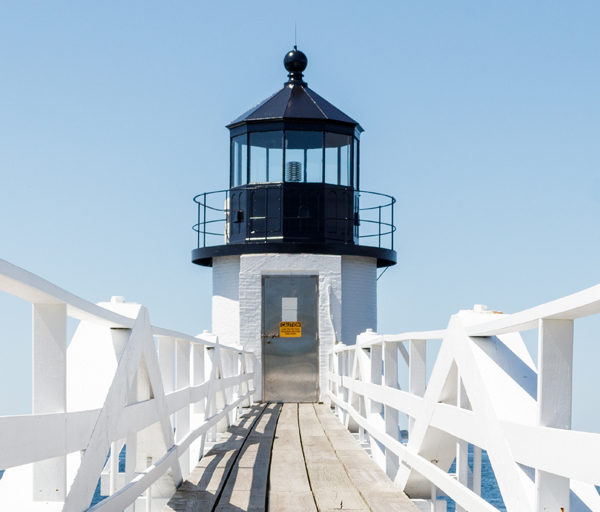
x: 481, y: 119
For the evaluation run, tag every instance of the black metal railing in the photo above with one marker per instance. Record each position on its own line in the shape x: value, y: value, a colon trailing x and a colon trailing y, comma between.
x: 373, y: 221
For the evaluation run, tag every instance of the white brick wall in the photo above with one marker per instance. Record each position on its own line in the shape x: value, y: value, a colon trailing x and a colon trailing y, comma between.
x: 328, y: 268
x: 359, y: 296
x: 225, y: 299
x: 347, y: 299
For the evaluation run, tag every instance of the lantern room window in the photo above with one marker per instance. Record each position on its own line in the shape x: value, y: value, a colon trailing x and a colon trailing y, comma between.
x: 355, y: 164
x: 294, y: 156
x: 266, y: 156
x: 304, y: 156
x: 239, y: 160
x: 338, y: 170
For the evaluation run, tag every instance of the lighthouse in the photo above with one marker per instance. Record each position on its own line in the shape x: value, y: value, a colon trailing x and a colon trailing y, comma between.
x: 294, y: 243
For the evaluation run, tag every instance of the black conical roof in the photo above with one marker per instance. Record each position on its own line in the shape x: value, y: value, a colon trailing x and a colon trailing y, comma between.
x: 295, y: 101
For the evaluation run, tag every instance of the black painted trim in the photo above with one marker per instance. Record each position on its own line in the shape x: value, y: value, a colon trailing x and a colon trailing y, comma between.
x: 204, y: 255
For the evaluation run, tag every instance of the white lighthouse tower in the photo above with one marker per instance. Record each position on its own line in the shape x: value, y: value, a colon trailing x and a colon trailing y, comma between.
x: 294, y: 243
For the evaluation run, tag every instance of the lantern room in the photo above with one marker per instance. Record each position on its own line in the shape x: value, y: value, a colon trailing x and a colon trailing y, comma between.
x: 294, y: 183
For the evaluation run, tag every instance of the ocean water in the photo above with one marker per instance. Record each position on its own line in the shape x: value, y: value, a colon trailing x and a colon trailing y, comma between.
x: 99, y: 497
x: 489, y: 486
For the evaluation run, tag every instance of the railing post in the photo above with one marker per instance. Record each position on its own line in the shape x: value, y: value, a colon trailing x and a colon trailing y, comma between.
x: 379, y: 227
x: 166, y: 362
x: 228, y: 367
x: 392, y: 227
x: 131, y: 439
x: 246, y: 369
x: 363, y: 362
x: 462, y: 447
x: 555, y: 384
x: 375, y: 408
x: 417, y: 372
x: 342, y: 391
x: 49, y: 337
x: 149, y: 489
x: 198, y: 228
x: 204, y: 219
x: 211, y: 397
x: 183, y: 353
x: 477, y: 470
x: 390, y: 375
x: 198, y: 375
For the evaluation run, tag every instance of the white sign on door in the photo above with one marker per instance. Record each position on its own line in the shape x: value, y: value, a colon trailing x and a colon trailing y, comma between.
x: 289, y: 309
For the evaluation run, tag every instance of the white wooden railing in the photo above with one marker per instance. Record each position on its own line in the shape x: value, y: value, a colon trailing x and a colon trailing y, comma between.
x: 485, y: 390
x: 119, y: 382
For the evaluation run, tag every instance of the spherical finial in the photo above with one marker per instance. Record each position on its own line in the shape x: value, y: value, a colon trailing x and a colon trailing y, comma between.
x: 295, y: 62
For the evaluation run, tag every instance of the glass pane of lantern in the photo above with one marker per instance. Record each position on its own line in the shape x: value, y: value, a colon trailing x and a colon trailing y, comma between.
x: 266, y: 156
x: 304, y: 156
x: 337, y: 158
x: 355, y: 164
x: 239, y: 160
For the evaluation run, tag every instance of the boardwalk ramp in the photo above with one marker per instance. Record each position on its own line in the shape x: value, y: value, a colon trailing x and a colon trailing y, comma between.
x: 288, y: 457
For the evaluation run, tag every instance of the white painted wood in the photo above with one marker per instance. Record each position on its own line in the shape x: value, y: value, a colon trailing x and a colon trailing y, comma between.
x: 571, y: 307
x: 464, y: 424
x: 436, y: 476
x: 417, y: 371
x: 198, y: 376
x: 519, y: 415
x: 390, y: 379
x: 374, y: 407
x: 462, y: 447
x: 555, y: 373
x: 113, y: 466
x: 120, y: 388
x: 477, y: 470
x: 166, y: 360
x: 182, y: 420
x: 27, y: 286
x: 49, y: 354
x: 49, y: 358
x: 555, y: 383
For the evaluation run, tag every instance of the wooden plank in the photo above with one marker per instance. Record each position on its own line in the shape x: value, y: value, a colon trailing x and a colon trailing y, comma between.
x: 246, y: 487
x: 289, y: 489
x: 206, y: 481
x: 375, y: 488
x: 306, y: 459
x: 330, y: 484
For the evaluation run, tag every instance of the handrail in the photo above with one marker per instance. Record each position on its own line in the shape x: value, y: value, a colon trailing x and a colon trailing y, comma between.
x: 32, y: 288
x: 483, y: 390
x: 142, y: 378
x: 209, y: 205
x: 577, y: 305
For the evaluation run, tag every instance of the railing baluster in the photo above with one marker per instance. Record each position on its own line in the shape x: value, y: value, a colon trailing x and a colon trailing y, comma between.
x: 477, y: 470
x: 198, y: 229
x: 555, y: 384
x: 390, y: 375
x: 183, y: 356
x: 379, y: 227
x: 392, y: 226
x: 462, y: 447
x: 50, y: 392
x: 204, y: 226
x: 417, y: 372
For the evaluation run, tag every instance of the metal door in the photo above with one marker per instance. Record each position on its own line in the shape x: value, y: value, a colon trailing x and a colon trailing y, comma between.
x: 290, y: 338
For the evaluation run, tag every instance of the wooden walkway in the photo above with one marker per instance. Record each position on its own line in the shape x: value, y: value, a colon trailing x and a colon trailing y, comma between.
x: 285, y: 458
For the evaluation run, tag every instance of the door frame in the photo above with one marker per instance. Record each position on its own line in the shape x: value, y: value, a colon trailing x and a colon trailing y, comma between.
x: 262, y: 325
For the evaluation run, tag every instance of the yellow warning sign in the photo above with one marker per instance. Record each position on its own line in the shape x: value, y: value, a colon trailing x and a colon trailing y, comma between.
x: 290, y: 329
